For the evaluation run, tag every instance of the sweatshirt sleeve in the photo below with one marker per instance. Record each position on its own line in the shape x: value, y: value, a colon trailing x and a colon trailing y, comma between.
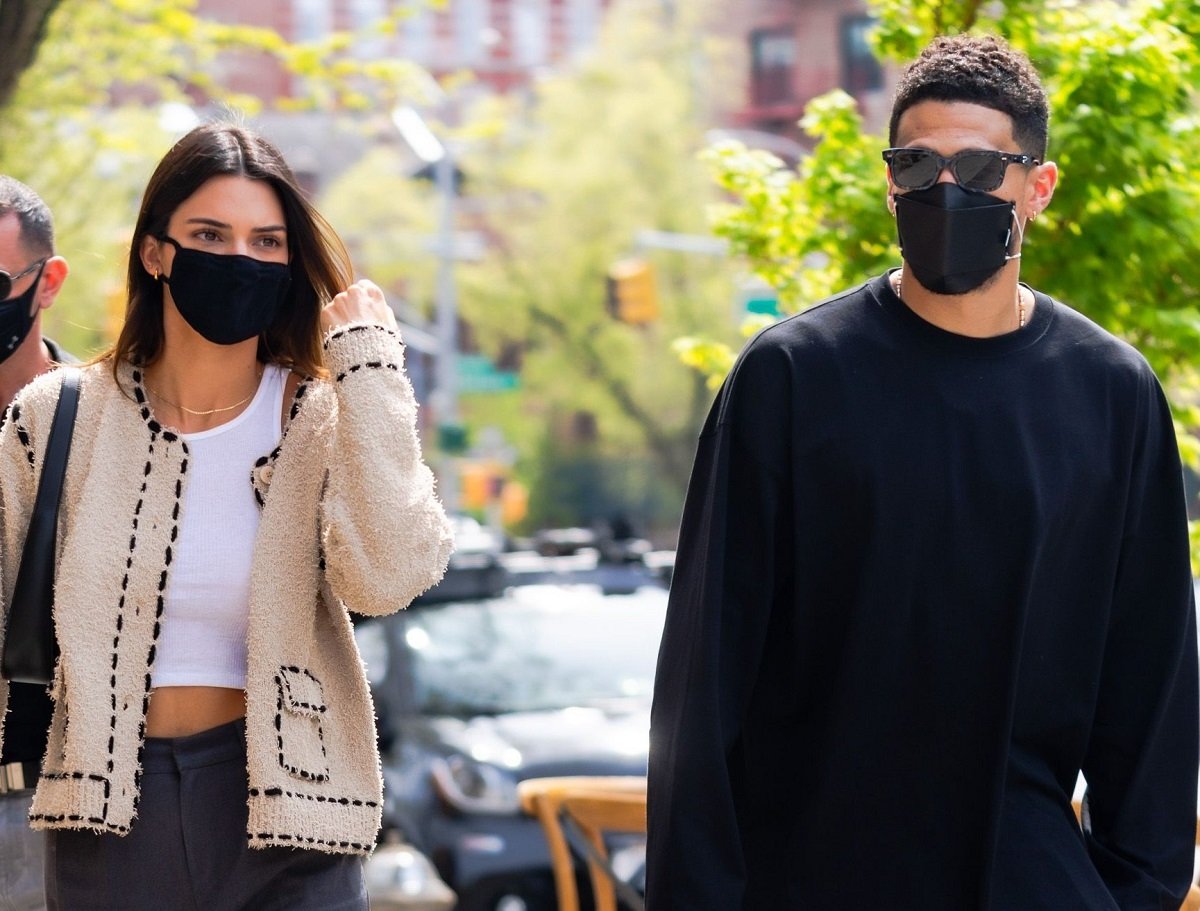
x: 1141, y: 763
x: 724, y: 586
x: 385, y: 535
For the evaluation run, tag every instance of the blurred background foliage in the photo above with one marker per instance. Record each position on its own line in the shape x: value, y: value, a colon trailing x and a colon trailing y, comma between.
x: 606, y: 150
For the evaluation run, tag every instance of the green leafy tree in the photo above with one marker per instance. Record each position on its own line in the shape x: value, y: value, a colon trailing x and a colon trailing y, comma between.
x: 1117, y: 243
x: 604, y: 151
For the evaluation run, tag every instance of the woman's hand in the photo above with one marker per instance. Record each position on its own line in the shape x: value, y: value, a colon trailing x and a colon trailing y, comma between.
x: 362, y: 302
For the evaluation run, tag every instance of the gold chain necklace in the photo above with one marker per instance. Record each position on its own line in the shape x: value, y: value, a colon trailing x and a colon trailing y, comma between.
x: 166, y: 401
x: 1020, y: 303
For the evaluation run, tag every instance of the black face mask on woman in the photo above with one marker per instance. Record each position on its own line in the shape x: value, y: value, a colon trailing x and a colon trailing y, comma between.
x: 225, y: 297
x: 953, y: 239
x: 16, y: 319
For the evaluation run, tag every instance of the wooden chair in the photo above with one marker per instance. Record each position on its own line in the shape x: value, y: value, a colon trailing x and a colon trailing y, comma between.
x: 1192, y: 901
x: 595, y: 805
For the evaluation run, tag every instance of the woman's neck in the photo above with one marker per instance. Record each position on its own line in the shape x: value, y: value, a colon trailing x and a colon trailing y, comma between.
x: 195, y: 387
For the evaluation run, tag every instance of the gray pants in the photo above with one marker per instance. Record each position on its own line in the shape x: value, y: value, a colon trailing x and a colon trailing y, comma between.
x: 187, y: 848
x: 20, y: 855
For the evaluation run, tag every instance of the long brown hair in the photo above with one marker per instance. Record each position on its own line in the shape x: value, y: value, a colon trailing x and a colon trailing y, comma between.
x: 320, y: 265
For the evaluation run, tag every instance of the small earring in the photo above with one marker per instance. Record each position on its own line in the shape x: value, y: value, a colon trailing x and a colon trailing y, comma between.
x: 156, y: 275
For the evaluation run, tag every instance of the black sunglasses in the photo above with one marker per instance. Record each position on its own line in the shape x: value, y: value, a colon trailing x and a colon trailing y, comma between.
x: 6, y: 280
x: 974, y: 169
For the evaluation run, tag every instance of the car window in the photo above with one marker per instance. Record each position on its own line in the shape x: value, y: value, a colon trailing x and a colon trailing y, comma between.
x: 538, y: 648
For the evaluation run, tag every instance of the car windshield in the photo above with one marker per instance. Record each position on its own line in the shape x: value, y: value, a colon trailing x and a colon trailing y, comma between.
x: 538, y: 648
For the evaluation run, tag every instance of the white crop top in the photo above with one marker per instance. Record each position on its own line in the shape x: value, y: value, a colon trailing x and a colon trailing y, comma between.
x: 202, y: 641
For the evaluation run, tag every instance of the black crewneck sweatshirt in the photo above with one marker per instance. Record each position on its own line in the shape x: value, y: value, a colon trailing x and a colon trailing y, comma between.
x: 924, y: 580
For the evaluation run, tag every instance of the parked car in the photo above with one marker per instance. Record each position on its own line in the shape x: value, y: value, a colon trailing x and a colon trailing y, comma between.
x: 401, y: 878
x: 533, y: 672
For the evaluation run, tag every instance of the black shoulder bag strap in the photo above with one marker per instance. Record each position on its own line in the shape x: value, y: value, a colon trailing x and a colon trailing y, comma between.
x: 30, y: 646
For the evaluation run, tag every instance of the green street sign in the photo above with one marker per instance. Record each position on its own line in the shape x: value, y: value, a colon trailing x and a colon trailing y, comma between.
x: 452, y: 438
x: 477, y: 374
x: 766, y: 306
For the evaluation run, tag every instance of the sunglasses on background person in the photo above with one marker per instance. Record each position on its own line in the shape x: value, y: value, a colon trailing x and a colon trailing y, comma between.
x: 974, y: 169
x: 7, y: 281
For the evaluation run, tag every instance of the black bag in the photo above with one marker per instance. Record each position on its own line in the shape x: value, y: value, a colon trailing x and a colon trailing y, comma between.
x: 30, y: 646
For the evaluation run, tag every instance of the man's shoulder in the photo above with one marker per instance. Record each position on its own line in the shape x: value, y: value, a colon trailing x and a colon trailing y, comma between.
x: 795, y: 353
x: 832, y: 326
x: 1076, y: 336
x: 58, y: 354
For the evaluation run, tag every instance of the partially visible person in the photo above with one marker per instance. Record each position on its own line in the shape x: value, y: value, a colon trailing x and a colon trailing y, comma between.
x: 933, y: 564
x: 31, y: 276
x: 245, y: 471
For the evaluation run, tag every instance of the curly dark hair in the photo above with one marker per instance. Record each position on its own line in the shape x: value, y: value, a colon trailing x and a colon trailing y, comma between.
x: 980, y: 70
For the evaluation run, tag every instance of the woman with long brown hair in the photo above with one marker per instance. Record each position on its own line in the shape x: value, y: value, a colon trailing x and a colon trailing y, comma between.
x: 245, y: 470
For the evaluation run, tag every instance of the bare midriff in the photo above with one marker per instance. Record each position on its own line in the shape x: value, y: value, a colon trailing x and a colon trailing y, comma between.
x: 177, y: 711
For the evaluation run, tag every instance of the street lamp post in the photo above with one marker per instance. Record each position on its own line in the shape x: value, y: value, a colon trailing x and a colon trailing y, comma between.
x: 432, y: 152
x: 447, y: 293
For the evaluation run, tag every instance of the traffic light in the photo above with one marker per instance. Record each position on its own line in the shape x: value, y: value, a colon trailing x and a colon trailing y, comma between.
x: 483, y: 483
x: 632, y: 295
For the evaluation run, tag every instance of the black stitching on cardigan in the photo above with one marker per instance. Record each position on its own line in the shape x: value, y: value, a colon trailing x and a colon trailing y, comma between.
x: 319, y: 798
x: 22, y: 433
x: 77, y: 776
x: 372, y: 364
x: 272, y: 836
x: 296, y: 397
x: 260, y: 487
x: 112, y: 827
x: 158, y: 612
x: 288, y: 686
x: 295, y: 770
x: 358, y: 328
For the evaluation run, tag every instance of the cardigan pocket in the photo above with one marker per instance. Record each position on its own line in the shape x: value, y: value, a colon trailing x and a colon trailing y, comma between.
x: 299, y: 711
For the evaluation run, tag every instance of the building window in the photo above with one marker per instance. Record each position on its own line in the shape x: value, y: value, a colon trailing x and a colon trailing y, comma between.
x: 418, y: 33
x: 366, y: 16
x: 583, y: 21
x: 314, y: 19
x: 773, y: 64
x: 530, y: 19
x: 860, y: 70
x: 470, y: 30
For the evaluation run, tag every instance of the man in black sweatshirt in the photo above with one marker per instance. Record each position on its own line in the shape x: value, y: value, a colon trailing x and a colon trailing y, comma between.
x: 30, y: 278
x: 933, y: 565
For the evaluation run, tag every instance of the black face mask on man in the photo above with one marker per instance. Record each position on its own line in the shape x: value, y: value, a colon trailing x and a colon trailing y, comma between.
x: 953, y: 239
x: 227, y: 298
x: 16, y: 317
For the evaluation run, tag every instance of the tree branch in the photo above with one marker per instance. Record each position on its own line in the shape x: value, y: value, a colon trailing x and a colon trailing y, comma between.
x: 22, y: 28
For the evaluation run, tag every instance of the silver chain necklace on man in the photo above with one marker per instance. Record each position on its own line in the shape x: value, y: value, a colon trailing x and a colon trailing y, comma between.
x: 1020, y: 303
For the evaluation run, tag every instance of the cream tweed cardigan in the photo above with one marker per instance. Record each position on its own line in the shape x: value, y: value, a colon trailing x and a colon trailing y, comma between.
x: 349, y: 521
